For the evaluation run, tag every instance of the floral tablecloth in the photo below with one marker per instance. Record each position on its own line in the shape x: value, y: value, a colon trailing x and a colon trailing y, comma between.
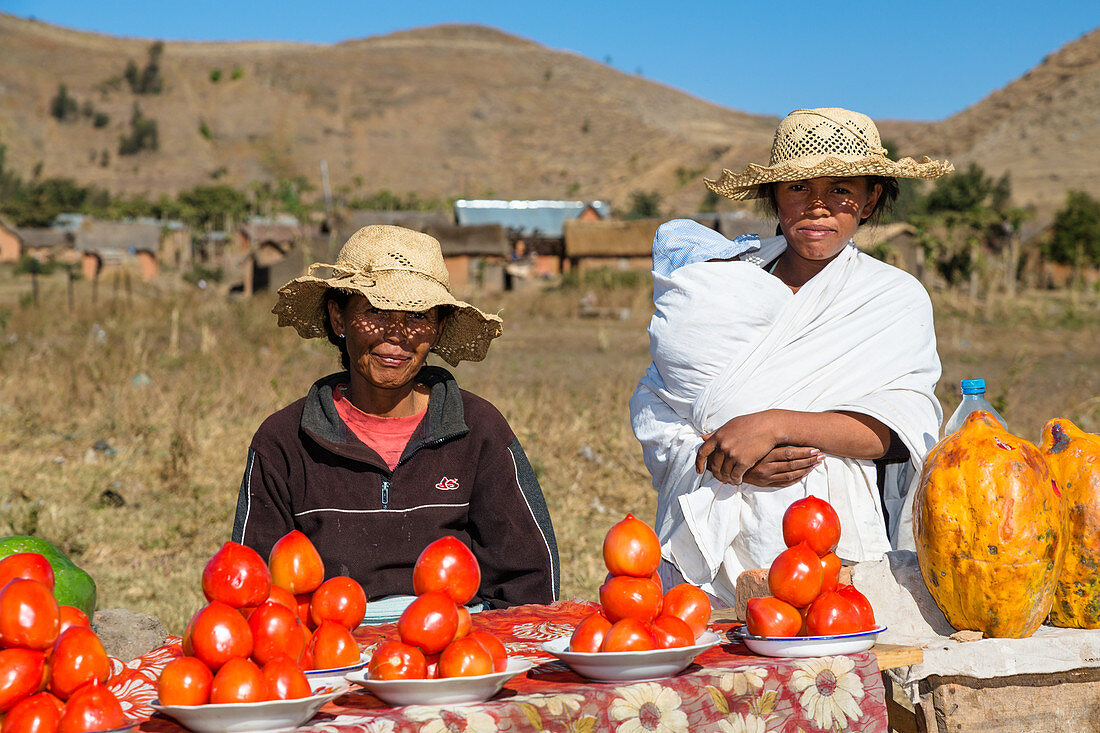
x: 728, y: 688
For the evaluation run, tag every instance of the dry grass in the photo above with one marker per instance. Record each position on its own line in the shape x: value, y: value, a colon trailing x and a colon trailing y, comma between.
x: 144, y: 514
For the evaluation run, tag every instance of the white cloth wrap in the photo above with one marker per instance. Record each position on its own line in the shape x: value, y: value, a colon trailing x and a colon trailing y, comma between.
x: 728, y: 339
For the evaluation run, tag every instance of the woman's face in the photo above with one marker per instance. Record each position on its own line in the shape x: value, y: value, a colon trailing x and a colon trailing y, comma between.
x: 386, y: 348
x: 819, y: 215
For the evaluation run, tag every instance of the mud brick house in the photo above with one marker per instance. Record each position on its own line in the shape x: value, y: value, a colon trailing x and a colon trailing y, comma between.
x: 621, y: 244
x: 11, y: 244
x: 104, y: 245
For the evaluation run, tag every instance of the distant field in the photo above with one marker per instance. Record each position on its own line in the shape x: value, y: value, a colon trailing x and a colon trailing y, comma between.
x: 172, y: 384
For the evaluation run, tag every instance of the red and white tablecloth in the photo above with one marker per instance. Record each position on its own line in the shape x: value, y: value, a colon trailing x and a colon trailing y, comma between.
x: 728, y: 688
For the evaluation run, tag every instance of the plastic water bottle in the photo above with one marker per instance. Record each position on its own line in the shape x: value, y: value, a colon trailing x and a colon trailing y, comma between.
x: 973, y: 399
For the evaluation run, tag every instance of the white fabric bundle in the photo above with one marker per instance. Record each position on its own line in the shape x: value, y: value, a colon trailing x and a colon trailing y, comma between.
x: 729, y: 339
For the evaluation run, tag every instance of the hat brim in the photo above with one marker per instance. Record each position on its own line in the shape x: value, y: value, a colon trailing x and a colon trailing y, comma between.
x: 748, y: 184
x: 467, y: 331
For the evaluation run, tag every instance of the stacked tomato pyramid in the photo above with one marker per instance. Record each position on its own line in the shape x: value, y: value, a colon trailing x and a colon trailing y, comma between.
x: 265, y: 624
x: 435, y: 633
x: 807, y: 598
x: 635, y: 614
x: 53, y: 667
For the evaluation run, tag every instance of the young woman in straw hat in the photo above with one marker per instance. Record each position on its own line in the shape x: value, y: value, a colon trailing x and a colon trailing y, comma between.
x: 384, y: 457
x: 788, y: 366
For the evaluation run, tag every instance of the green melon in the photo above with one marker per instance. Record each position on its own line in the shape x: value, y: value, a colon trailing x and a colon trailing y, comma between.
x: 72, y: 586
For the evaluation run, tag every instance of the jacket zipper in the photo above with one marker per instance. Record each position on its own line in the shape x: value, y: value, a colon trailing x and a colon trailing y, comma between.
x: 386, y: 481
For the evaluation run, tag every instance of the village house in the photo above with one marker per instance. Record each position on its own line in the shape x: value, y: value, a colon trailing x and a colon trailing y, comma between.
x: 104, y: 245
x: 621, y: 244
x: 48, y: 244
x: 11, y: 244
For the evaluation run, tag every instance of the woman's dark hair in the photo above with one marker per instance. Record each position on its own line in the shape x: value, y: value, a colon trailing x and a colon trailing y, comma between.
x: 885, y: 201
x: 341, y: 298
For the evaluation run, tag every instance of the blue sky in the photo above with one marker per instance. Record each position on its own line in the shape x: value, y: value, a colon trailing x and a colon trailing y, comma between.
x: 892, y: 59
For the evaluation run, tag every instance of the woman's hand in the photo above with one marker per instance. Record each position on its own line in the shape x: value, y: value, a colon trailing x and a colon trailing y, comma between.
x: 783, y: 466
x: 736, y: 447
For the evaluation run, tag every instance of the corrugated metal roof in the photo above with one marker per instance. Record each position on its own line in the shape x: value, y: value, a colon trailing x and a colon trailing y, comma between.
x: 543, y: 218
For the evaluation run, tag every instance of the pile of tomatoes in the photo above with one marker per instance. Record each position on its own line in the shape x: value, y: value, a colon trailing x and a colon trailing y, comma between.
x: 53, y: 667
x: 265, y: 624
x: 635, y: 613
x: 807, y: 598
x: 435, y: 630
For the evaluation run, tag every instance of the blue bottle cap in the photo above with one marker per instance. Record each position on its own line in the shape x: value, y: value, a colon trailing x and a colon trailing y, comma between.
x: 973, y: 386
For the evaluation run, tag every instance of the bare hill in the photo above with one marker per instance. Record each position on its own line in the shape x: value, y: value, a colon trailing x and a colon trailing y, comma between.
x: 464, y: 110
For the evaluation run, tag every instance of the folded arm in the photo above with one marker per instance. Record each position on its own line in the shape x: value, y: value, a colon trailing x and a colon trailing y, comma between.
x: 774, y: 447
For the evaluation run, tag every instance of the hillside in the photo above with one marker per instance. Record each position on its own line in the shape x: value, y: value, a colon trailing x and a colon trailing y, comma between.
x: 466, y: 110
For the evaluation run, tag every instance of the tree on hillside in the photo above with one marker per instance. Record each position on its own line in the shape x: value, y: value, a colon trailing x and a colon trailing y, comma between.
x: 643, y: 204
x: 143, y: 134
x: 207, y: 207
x: 148, y: 80
x: 1075, y: 238
x: 63, y: 107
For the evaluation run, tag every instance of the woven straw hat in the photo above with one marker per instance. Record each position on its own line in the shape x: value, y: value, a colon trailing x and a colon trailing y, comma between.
x: 395, y: 269
x: 830, y: 141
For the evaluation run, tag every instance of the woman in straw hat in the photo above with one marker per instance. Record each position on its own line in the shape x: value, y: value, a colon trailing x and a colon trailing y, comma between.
x: 388, y: 455
x: 790, y: 366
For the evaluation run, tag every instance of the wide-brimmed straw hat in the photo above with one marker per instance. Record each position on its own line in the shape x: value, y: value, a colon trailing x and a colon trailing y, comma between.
x: 830, y: 141
x: 395, y: 269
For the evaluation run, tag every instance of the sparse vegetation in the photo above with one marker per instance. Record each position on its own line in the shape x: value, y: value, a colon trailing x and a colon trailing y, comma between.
x: 238, y: 72
x: 63, y: 107
x: 143, y: 134
x: 149, y: 79
x: 643, y: 204
x: 204, y: 131
x: 1075, y: 238
x: 215, y: 75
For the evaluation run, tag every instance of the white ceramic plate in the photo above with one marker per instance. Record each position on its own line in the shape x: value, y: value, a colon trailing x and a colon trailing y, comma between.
x: 811, y: 646
x: 629, y: 666
x: 446, y: 691
x: 272, y: 715
x: 334, y: 677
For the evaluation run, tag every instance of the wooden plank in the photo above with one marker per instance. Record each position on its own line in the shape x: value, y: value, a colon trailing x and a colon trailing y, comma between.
x: 897, y: 655
x: 1062, y: 701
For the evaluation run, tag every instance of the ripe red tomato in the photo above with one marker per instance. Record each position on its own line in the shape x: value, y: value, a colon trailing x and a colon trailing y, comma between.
x: 689, y: 604
x: 333, y: 646
x: 21, y: 674
x: 813, y: 521
x: 464, y: 622
x: 830, y: 614
x: 91, y: 708
x: 29, y: 565
x: 295, y: 563
x: 219, y: 633
x: 70, y: 616
x: 285, y: 680
x: 184, y: 681
x: 281, y: 595
x: 494, y: 646
x: 625, y: 596
x: 628, y: 635
x: 40, y: 713
x: 339, y: 599
x: 866, y: 613
x: 465, y: 658
x: 671, y: 631
x: 589, y: 634
x: 238, y: 680
x: 276, y: 631
x: 29, y: 616
x: 631, y: 547
x: 770, y: 616
x: 393, y: 660
x: 78, y: 658
x: 236, y: 575
x: 447, y: 565
x: 796, y: 575
x: 830, y: 571
x: 429, y: 622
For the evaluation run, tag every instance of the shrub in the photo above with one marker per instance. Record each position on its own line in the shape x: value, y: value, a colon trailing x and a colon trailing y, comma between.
x: 63, y: 107
x: 143, y: 134
x: 1075, y: 238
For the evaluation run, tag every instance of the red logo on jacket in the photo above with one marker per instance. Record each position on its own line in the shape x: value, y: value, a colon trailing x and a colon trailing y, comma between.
x: 447, y: 484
